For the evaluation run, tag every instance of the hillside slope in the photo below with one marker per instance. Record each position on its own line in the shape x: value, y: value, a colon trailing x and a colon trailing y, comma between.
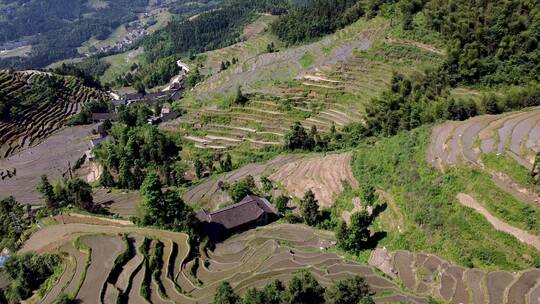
x: 36, y: 104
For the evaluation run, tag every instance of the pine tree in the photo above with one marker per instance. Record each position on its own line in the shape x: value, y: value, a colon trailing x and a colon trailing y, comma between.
x: 226, y: 163
x: 47, y: 192
x: 199, y: 167
x: 309, y: 208
x: 304, y: 289
x: 106, y: 179
x: 226, y: 295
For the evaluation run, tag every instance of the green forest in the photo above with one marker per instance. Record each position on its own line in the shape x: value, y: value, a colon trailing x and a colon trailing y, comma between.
x: 209, y: 31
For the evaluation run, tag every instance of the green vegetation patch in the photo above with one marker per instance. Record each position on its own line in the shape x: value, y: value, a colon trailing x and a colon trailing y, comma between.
x: 307, y: 60
x: 434, y: 221
x: 505, y: 164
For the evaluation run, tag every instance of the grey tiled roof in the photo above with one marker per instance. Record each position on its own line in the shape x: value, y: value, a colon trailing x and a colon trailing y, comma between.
x: 246, y: 211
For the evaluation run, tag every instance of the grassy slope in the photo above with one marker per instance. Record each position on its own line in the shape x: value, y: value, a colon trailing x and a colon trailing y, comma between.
x: 273, y: 75
x: 120, y: 64
x: 256, y: 39
x: 433, y: 219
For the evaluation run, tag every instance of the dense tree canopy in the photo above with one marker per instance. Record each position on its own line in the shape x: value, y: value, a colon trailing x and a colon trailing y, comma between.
x: 490, y: 41
x: 134, y: 151
x: 349, y: 291
x: 315, y: 19
x: 67, y: 193
x: 56, y: 28
x: 166, y: 209
x: 303, y: 288
x: 210, y: 30
x: 12, y: 222
x: 27, y: 272
x: 226, y: 295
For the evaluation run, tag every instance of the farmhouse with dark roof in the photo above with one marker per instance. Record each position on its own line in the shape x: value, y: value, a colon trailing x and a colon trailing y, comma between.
x: 252, y: 211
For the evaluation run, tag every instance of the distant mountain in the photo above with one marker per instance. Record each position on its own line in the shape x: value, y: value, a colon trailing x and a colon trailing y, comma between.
x: 55, y: 29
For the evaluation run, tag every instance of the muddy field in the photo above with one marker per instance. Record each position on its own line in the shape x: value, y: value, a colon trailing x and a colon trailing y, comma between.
x: 516, y: 134
x: 51, y: 157
x: 426, y: 274
x: 118, y: 202
x: 257, y: 257
x: 250, y: 259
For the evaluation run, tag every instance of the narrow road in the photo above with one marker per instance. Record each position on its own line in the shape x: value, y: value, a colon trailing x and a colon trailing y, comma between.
x: 522, y: 235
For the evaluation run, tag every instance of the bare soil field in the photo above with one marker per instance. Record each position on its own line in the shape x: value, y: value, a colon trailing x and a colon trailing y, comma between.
x: 324, y: 175
x: 39, y: 119
x: 51, y: 157
x: 117, y: 202
x: 75, y: 218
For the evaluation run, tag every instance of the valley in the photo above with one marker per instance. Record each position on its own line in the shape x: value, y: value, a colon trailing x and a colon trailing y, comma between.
x: 227, y: 152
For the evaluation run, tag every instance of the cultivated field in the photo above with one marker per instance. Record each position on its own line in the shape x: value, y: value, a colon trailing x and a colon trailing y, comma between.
x: 50, y: 157
x: 323, y: 84
x: 324, y: 175
x: 516, y: 134
x: 40, y: 119
x: 250, y: 259
x: 253, y: 259
x: 295, y: 174
x: 119, y: 202
x: 427, y: 274
x: 503, y: 145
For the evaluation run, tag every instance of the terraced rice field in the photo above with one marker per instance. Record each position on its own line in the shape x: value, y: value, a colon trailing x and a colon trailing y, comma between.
x: 349, y: 68
x: 296, y: 174
x: 429, y: 275
x: 324, y: 175
x: 51, y: 157
x: 250, y: 259
x: 264, y: 121
x: 516, y: 134
x: 41, y: 118
x: 208, y: 194
x: 121, y: 203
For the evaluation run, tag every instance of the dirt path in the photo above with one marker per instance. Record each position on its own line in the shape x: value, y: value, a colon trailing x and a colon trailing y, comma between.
x: 425, y: 47
x: 50, y: 237
x: 524, y: 236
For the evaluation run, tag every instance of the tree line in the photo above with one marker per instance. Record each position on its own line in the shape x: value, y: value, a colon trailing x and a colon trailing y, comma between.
x: 303, y: 288
x: 492, y: 44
